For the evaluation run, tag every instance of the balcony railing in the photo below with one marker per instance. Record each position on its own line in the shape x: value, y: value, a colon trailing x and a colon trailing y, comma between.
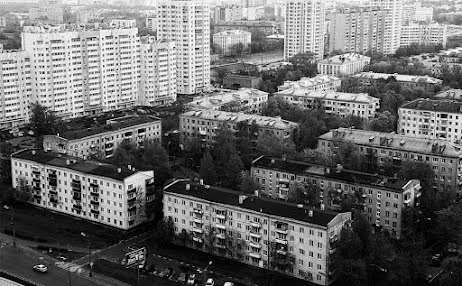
x: 255, y: 224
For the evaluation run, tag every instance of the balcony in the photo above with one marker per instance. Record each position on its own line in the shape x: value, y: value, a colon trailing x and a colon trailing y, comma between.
x: 93, y: 211
x: 132, y: 208
x: 255, y: 224
x: 77, y: 197
x: 255, y: 255
x: 282, y: 231
x: 52, y: 181
x: 53, y: 200
x: 197, y: 230
x: 220, y: 226
x: 281, y: 252
x: 131, y: 200
x: 281, y: 241
x: 53, y: 192
x: 255, y: 234
x: 197, y: 239
x: 222, y: 246
x: 198, y: 220
x: 220, y: 235
x: 131, y: 191
x: 36, y: 180
x: 198, y: 211
x: 36, y: 172
x: 77, y: 207
x: 95, y: 203
x: 255, y: 245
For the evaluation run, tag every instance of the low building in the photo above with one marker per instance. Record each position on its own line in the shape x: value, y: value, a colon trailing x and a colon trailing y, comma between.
x: 266, y: 27
x: 229, y: 40
x: 98, y: 192
x: 451, y: 94
x: 342, y: 65
x: 256, y: 231
x: 333, y: 102
x: 393, y: 149
x: 235, y: 81
x: 424, y: 34
x: 382, y: 199
x: 317, y: 83
x: 406, y: 81
x: 47, y: 11
x: 247, y: 100
x: 205, y: 123
x: 100, y: 142
x: 431, y: 119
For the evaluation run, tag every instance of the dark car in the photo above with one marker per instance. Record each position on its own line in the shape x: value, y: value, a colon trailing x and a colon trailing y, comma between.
x: 436, y: 259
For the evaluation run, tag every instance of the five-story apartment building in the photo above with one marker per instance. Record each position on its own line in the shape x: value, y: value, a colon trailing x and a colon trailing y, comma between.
x: 257, y: 231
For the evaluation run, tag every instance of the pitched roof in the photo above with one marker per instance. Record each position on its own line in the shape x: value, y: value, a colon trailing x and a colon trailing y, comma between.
x: 261, y: 121
x: 455, y: 94
x: 307, y: 82
x: 344, y: 59
x: 254, y: 203
x: 224, y: 96
x: 330, y: 95
x: 395, y: 141
x: 350, y: 176
x: 399, y: 77
x: 77, y: 164
x: 442, y: 105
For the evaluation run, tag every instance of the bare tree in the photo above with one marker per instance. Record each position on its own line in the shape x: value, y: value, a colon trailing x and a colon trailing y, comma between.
x: 209, y: 239
x: 280, y: 259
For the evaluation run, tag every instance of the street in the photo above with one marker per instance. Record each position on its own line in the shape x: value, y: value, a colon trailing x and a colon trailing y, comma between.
x: 13, y: 260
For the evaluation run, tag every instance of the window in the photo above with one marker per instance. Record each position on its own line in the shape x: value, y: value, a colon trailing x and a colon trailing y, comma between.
x: 319, y: 256
x: 301, y: 251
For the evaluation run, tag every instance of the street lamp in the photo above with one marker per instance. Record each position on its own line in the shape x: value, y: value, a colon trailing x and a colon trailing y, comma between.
x: 205, y: 271
x: 89, y: 254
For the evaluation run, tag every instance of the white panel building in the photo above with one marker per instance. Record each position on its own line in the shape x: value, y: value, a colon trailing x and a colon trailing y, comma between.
x: 392, y: 27
x: 227, y: 39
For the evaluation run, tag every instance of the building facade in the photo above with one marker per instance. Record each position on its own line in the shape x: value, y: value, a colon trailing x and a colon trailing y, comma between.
x: 158, y: 72
x: 317, y: 83
x: 227, y: 40
x: 101, y: 142
x: 266, y: 27
x: 236, y: 81
x: 424, y: 34
x: 47, y: 11
x: 2, y: 22
x: 205, y: 124
x: 15, y: 88
x: 187, y: 22
x: 257, y: 231
x: 431, y: 119
x: 343, y: 65
x: 333, y: 102
x: 101, y: 193
x: 405, y: 81
x: 357, y: 30
x: 245, y: 100
x: 382, y: 199
x: 393, y: 149
x: 304, y: 28
x: 391, y: 31
x: 228, y: 13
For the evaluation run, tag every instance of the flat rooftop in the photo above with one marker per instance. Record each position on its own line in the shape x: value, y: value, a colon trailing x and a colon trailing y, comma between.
x: 329, y: 95
x: 399, y: 77
x: 85, y: 166
x: 350, y: 176
x: 112, y: 125
x: 345, y: 59
x: 254, y: 203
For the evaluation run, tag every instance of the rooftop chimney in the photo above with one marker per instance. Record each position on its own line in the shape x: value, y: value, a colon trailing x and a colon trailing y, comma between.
x: 33, y: 152
x: 322, y: 207
x: 129, y: 167
x: 188, y: 187
x: 242, y: 198
x: 310, y: 213
x: 119, y: 170
x: 273, y: 161
x: 68, y: 162
x: 201, y: 182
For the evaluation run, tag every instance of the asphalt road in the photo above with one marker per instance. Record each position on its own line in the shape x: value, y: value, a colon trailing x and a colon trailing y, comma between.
x: 14, y: 261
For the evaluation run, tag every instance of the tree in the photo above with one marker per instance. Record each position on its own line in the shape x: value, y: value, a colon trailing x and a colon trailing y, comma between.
x: 280, y: 259
x: 248, y: 185
x: 232, y: 172
x: 184, y: 237
x: 236, y: 49
x: 305, y: 62
x: 125, y: 153
x: 307, y: 194
x: 449, y: 224
x: 165, y: 231
x: 194, y: 150
x: 5, y: 162
x: 23, y: 190
x: 152, y: 156
x: 43, y: 121
x: 207, y: 169
x: 418, y: 170
x: 383, y: 122
x: 271, y: 145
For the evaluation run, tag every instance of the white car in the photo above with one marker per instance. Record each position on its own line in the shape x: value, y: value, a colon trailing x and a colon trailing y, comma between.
x: 210, y: 282
x: 40, y: 268
x: 191, y: 279
x: 228, y: 284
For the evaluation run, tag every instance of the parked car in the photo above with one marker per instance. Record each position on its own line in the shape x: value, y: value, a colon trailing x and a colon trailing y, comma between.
x: 40, y: 268
x: 436, y: 259
x: 163, y: 273
x: 210, y: 282
x: 191, y: 279
x: 228, y: 284
x: 182, y: 278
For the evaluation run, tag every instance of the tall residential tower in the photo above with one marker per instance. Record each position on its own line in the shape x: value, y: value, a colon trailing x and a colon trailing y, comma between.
x: 391, y: 31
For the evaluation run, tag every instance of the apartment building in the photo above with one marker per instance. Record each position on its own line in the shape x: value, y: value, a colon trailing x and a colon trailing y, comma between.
x: 266, y: 27
x: 247, y: 100
x: 405, y: 81
x: 187, y: 22
x: 47, y: 11
x: 94, y: 191
x: 424, y: 34
x: 357, y: 29
x: 304, y: 28
x: 388, y: 148
x: 228, y: 13
x: 151, y: 23
x: 205, y: 123
x: 333, y: 102
x: 158, y: 72
x: 78, y: 72
x: 317, y: 83
x: 227, y: 40
x: 15, y: 88
x: 391, y: 29
x: 256, y: 231
x: 343, y: 65
x: 236, y: 81
x: 101, y: 142
x: 382, y: 199
x: 451, y: 94
x: 432, y: 119
x: 414, y: 12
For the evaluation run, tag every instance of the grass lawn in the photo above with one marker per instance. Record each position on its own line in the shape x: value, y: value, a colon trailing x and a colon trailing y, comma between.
x: 128, y: 276
x: 245, y: 273
x: 43, y: 226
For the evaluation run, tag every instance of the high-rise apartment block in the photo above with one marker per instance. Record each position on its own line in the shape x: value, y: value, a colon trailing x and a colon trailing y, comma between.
x: 424, y: 34
x: 357, y: 29
x: 158, y: 72
x: 394, y: 149
x: 304, y: 28
x: 16, y: 88
x: 391, y: 31
x: 382, y: 199
x: 257, y: 231
x: 95, y: 191
x: 101, y: 142
x: 187, y: 22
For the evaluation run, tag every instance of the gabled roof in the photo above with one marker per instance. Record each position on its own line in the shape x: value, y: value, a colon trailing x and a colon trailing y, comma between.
x: 441, y: 105
x: 330, y: 95
x: 399, y: 77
